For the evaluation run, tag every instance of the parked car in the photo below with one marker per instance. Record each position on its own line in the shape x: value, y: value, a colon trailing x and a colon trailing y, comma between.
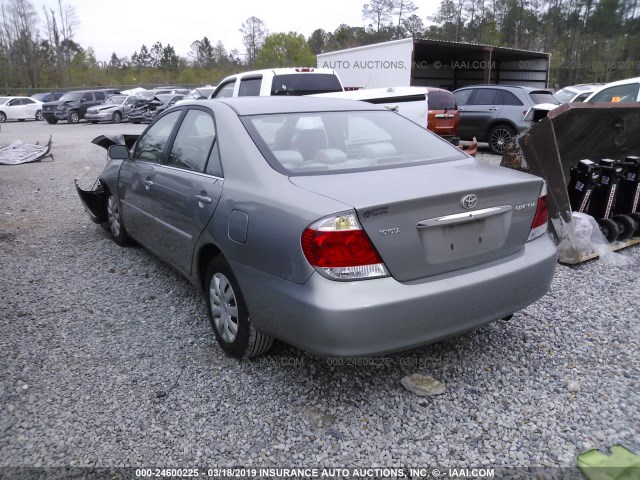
x: 576, y: 93
x: 336, y: 226
x: 114, y: 109
x: 200, y: 93
x: 622, y: 91
x: 73, y: 106
x: 279, y: 81
x: 444, y: 117
x: 47, y: 97
x: 20, y: 108
x: 495, y: 113
x: 147, y: 110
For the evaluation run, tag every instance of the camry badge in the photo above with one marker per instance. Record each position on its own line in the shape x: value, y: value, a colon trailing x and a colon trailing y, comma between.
x: 469, y: 201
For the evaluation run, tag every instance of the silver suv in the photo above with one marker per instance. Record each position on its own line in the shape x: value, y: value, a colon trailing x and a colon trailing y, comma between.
x: 495, y: 113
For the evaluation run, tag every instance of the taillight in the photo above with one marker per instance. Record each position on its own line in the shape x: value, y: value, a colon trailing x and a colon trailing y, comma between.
x: 539, y: 225
x: 338, y: 248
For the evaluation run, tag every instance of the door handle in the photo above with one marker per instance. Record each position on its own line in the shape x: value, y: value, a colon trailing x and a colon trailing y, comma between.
x: 493, y: 108
x: 148, y: 184
x: 461, y: 109
x: 202, y: 200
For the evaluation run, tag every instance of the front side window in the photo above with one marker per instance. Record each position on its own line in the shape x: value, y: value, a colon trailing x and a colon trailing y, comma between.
x: 619, y: 94
x: 250, y: 87
x: 338, y: 142
x: 484, y: 96
x: 193, y: 142
x: 151, y: 145
x: 225, y: 90
x: 462, y: 97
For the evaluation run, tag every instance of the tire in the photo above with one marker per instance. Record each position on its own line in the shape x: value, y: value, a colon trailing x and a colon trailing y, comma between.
x: 626, y: 226
x: 228, y: 314
x: 636, y: 217
x: 74, y: 117
x: 499, y: 137
x: 609, y: 229
x: 51, y: 121
x: 116, y: 117
x: 3, y: 117
x: 114, y: 223
x: 39, y: 115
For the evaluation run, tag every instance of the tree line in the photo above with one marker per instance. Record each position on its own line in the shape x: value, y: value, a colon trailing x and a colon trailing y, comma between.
x: 590, y: 41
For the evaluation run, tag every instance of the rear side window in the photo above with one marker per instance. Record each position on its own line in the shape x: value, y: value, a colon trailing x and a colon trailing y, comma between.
x: 620, y: 94
x: 250, y: 87
x: 508, y: 98
x: 87, y: 97
x: 193, y: 142
x: 442, y: 101
x: 305, y: 84
x: 100, y: 96
x: 543, y: 97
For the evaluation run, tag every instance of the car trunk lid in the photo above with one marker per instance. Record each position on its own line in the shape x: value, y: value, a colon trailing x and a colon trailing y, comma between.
x: 416, y: 220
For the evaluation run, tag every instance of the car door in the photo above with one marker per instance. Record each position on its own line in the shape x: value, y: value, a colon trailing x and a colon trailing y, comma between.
x: 15, y: 110
x: 187, y: 187
x: 30, y: 107
x: 481, y: 108
x: 137, y: 176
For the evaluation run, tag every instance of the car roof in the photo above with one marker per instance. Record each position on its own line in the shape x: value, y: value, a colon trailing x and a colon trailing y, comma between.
x: 506, y: 87
x: 275, y: 105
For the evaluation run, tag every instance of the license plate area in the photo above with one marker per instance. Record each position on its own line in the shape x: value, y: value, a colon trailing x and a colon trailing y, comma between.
x: 459, y: 236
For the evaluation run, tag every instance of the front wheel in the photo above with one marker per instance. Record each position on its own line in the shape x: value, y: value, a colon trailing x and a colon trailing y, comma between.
x: 3, y: 117
x: 114, y: 222
x: 74, y: 117
x: 39, y: 115
x: 626, y: 226
x: 116, y: 118
x: 499, y: 138
x: 229, y: 316
x: 609, y: 229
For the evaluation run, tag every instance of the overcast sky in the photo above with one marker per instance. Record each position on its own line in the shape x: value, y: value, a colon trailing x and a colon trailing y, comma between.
x: 124, y: 25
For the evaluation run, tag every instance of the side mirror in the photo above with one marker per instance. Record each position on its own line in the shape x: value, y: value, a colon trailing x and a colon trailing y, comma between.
x: 118, y: 152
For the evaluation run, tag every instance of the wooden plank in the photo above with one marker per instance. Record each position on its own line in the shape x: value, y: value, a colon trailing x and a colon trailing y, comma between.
x: 591, y: 255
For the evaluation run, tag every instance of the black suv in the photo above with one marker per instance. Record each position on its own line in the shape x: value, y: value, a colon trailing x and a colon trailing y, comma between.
x: 73, y: 106
x: 495, y: 113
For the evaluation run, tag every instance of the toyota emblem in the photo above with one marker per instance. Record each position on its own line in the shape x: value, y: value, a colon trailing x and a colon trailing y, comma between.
x: 469, y: 201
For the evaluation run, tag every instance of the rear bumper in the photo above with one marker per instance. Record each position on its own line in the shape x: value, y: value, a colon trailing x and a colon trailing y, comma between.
x: 380, y: 316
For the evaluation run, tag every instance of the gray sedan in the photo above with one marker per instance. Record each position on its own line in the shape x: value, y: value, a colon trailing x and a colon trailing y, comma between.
x: 336, y: 226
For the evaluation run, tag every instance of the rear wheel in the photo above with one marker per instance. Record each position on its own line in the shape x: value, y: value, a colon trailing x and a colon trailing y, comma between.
x: 499, y: 137
x: 228, y: 314
x: 114, y: 222
x: 609, y: 229
x: 51, y: 121
x: 626, y: 226
x: 74, y: 117
x: 116, y: 118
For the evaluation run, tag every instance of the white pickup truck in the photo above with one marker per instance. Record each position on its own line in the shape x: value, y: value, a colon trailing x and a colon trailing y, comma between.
x: 279, y: 81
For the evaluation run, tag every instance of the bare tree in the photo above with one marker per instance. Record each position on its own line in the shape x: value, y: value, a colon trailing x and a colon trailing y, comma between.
x: 379, y: 12
x: 254, y: 32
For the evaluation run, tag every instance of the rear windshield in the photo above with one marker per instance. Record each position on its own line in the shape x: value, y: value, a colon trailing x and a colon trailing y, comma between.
x: 337, y: 142
x: 543, y: 97
x: 564, y: 95
x: 442, y: 101
x: 305, y: 84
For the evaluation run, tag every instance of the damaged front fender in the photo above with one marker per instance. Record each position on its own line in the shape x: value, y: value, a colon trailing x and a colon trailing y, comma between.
x: 94, y: 201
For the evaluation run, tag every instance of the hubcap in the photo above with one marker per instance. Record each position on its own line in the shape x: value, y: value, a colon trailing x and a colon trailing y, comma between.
x: 224, y: 307
x: 113, y: 214
x: 499, y: 139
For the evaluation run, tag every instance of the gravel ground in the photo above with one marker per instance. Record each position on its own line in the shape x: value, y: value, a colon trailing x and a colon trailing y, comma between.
x: 107, y: 359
